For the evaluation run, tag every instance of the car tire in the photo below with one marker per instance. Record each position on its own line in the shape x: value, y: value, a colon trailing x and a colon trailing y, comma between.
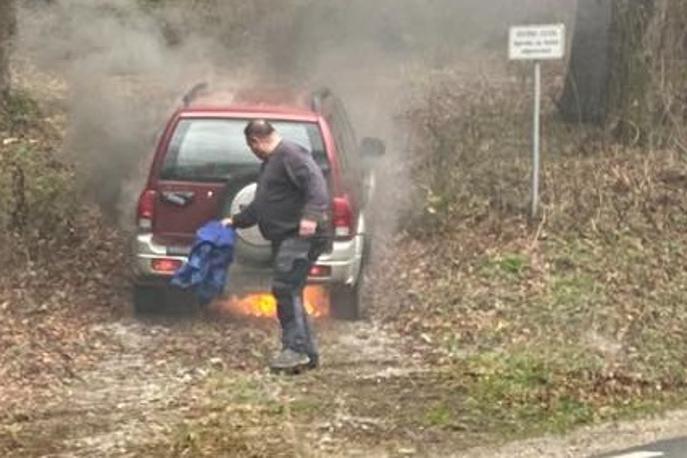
x: 149, y: 300
x: 347, y: 302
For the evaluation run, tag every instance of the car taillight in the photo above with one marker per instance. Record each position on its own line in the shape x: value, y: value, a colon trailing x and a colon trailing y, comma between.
x: 146, y: 209
x: 343, y: 218
x: 166, y: 266
x: 320, y: 271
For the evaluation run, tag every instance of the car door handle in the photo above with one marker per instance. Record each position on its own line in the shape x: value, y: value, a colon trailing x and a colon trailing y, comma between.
x: 178, y: 198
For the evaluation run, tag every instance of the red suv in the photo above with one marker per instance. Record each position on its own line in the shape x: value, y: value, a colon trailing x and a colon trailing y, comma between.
x: 203, y: 170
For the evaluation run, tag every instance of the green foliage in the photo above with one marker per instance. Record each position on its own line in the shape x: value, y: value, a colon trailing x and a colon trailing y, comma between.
x: 18, y: 111
x: 37, y: 193
x: 38, y: 197
x: 573, y: 289
x: 550, y: 391
x: 507, y: 264
x: 439, y: 415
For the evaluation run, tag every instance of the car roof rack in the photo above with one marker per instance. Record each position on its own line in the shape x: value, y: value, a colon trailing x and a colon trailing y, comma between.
x: 195, y: 91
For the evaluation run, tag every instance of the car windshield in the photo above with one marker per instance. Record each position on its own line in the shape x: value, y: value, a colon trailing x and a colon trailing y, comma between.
x: 215, y: 149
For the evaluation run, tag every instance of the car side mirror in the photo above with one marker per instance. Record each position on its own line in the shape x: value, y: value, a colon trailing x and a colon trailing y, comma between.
x: 371, y: 148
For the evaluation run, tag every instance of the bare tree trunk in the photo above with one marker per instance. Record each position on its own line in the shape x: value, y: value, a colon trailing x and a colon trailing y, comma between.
x: 8, y: 20
x: 610, y: 74
x: 630, y: 90
x: 585, y: 97
x: 669, y: 53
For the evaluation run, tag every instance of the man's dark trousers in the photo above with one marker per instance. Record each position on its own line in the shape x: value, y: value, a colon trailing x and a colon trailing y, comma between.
x: 293, y: 258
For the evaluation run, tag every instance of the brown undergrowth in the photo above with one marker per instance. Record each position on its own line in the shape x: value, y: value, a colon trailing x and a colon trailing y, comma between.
x: 574, y: 316
x: 500, y: 324
x: 62, y: 266
x: 507, y: 326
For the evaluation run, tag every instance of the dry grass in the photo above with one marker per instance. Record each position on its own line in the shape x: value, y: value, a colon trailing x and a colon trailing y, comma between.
x: 592, y: 293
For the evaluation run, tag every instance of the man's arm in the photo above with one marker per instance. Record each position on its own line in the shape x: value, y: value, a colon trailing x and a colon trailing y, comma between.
x: 307, y: 176
x: 245, y: 218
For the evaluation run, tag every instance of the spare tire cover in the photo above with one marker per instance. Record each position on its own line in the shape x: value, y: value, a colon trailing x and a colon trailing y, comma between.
x: 251, y: 245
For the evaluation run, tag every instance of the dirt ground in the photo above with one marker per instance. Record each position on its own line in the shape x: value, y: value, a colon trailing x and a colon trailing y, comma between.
x: 196, y: 386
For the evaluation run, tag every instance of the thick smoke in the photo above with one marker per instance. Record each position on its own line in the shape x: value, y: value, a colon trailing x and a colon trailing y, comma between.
x: 122, y: 78
x: 126, y: 64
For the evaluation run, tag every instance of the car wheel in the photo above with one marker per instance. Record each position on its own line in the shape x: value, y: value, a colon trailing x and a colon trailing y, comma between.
x: 149, y: 300
x: 347, y: 302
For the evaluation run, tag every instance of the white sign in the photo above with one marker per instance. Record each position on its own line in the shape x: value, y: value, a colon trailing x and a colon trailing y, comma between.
x: 536, y: 42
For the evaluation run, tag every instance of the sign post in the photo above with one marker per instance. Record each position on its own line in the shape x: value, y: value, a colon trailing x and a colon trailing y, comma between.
x: 537, y: 43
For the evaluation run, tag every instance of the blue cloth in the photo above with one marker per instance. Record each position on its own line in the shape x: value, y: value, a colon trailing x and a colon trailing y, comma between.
x: 205, y: 272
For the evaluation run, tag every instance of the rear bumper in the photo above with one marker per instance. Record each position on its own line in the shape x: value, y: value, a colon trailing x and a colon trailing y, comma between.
x: 344, y: 260
x: 144, y: 252
x: 344, y: 263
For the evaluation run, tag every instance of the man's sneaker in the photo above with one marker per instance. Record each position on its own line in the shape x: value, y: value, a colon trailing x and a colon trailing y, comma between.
x: 289, y: 361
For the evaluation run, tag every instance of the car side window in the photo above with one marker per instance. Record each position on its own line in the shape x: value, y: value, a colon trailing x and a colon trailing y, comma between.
x: 328, y: 113
x: 349, y: 148
x: 347, y: 131
x: 343, y: 154
x: 338, y: 141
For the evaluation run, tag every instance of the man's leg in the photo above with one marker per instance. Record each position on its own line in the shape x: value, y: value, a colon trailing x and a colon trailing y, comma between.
x: 317, y: 247
x: 291, y: 266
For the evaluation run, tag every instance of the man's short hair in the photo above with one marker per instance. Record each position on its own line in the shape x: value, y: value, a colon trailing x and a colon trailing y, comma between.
x: 260, y: 128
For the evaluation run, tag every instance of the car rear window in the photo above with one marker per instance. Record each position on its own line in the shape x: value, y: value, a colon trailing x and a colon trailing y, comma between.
x: 214, y: 149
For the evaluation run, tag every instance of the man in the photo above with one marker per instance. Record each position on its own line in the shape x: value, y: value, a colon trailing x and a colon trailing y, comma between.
x: 291, y: 208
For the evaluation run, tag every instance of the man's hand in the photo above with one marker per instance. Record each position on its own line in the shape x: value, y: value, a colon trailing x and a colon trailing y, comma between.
x: 307, y: 228
x: 227, y: 222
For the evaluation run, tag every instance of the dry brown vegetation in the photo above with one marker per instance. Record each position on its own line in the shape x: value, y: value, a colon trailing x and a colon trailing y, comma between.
x: 502, y: 326
x: 59, y: 260
x: 586, y: 303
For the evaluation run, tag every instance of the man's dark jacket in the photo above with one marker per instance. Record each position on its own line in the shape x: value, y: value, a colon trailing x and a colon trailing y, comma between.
x: 291, y: 186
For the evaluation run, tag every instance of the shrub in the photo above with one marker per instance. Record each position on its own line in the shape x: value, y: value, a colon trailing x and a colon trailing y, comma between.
x: 38, y: 199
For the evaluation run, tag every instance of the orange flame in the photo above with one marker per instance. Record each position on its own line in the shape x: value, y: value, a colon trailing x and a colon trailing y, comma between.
x: 264, y: 305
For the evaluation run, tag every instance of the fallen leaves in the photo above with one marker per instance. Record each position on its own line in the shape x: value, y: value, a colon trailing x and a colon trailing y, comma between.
x: 47, y: 304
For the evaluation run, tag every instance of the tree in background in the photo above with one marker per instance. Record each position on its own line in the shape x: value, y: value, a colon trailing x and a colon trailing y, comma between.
x: 629, y: 90
x: 8, y: 21
x: 584, y: 98
x: 627, y: 69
